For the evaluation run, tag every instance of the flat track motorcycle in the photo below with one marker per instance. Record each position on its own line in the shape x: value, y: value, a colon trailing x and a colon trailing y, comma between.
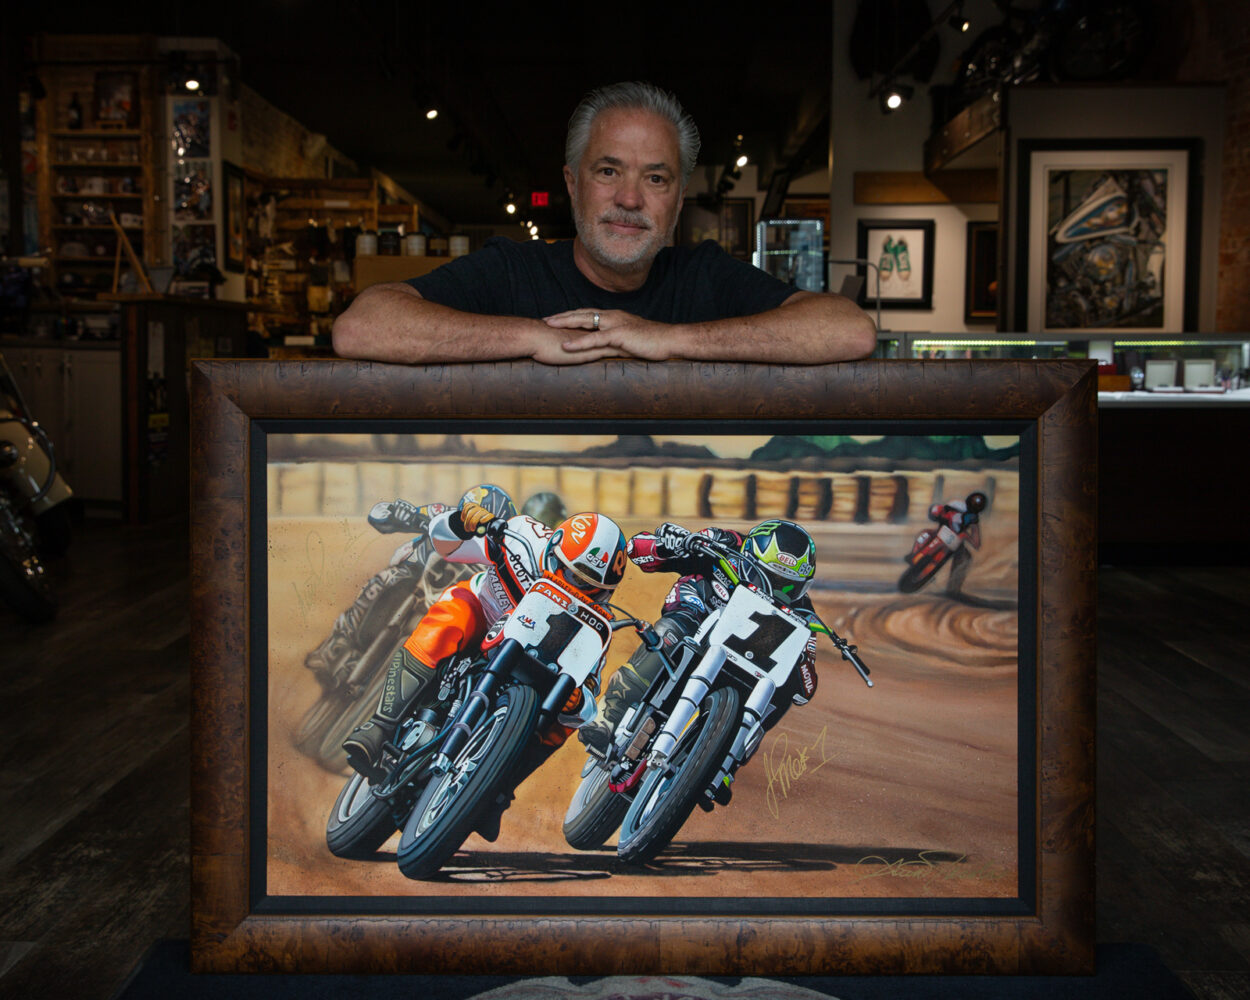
x: 350, y: 700
x: 33, y: 512
x: 700, y: 720
x: 929, y: 553
x: 456, y: 757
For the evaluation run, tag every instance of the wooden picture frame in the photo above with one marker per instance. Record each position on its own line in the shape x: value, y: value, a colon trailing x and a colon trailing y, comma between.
x: 234, y: 217
x: 902, y: 250
x: 1097, y: 216
x: 1044, y: 926
x: 981, y: 273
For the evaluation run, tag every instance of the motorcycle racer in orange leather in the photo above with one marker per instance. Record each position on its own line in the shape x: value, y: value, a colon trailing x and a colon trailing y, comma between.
x: 585, y: 552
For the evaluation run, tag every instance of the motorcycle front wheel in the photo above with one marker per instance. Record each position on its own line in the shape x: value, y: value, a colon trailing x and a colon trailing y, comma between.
x: 360, y: 822
x: 669, y: 794
x: 451, y: 805
x: 594, y: 812
x: 917, y: 575
x: 24, y: 581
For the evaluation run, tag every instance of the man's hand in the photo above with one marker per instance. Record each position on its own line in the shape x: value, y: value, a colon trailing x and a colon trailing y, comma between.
x: 620, y: 334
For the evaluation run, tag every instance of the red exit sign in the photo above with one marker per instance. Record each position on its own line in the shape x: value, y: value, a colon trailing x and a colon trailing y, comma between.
x: 540, y: 199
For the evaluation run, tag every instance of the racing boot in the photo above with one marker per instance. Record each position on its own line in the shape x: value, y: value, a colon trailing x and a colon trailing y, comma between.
x: 405, y: 680
x: 626, y: 687
x: 531, y: 759
x: 332, y: 660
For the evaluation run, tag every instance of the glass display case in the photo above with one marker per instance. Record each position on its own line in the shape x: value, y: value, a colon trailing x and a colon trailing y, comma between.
x: 792, y: 250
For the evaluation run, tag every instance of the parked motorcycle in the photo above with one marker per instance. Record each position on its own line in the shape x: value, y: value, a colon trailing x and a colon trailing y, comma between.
x: 934, y: 546
x: 33, y: 514
x: 347, y: 702
x: 700, y: 720
x: 458, y: 752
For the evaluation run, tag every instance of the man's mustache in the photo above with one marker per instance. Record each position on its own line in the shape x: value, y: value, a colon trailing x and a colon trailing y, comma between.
x: 627, y: 218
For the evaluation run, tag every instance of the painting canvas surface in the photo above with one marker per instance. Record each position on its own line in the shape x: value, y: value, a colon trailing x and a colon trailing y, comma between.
x: 906, y: 790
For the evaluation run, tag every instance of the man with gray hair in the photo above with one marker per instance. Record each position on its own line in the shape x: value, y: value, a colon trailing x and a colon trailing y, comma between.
x: 620, y: 288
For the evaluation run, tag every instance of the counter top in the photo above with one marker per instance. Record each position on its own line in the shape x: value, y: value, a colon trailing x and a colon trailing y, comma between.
x: 1236, y: 397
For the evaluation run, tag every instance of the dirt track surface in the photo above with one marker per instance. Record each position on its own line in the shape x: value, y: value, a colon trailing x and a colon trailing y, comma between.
x: 908, y: 789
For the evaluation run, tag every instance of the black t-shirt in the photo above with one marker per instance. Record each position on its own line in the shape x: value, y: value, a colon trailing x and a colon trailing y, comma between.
x: 537, y: 279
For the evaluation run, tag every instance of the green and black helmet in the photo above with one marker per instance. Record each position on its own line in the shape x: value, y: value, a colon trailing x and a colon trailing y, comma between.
x: 787, y: 554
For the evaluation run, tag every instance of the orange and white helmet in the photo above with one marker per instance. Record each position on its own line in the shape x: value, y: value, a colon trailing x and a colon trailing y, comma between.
x: 588, y: 550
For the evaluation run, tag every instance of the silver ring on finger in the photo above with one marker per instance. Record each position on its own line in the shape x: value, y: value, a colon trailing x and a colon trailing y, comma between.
x: 596, y: 321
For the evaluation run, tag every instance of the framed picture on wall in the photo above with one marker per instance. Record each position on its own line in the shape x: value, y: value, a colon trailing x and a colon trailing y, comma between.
x: 981, y: 273
x: 1108, y: 236
x: 940, y: 820
x: 117, y: 99
x: 728, y: 223
x: 902, y: 252
x: 234, y: 212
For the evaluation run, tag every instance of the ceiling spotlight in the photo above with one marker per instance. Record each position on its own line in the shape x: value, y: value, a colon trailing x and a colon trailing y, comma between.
x: 432, y: 114
x: 533, y: 230
x: 741, y: 161
x: 192, y: 83
x: 959, y: 22
x: 895, y: 96
x: 510, y: 208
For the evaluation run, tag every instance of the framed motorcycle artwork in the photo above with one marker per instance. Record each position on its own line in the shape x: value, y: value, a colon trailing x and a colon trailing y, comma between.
x: 736, y: 680
x: 1108, y: 235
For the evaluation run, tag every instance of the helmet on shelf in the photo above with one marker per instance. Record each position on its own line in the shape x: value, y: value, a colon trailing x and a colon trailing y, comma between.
x: 786, y: 553
x: 588, y: 551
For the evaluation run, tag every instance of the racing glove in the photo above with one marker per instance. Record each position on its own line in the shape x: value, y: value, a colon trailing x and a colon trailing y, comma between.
x: 670, y: 540
x: 397, y: 515
x: 475, y: 518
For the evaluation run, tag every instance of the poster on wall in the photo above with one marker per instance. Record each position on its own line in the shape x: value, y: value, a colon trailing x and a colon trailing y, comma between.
x: 193, y: 190
x: 1108, y: 238
x: 194, y: 249
x: 848, y: 798
x: 191, y: 135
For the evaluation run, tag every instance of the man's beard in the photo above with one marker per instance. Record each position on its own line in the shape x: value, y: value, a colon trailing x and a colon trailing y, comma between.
x: 625, y: 254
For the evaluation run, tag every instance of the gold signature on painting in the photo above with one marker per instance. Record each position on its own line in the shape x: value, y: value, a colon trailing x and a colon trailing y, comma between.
x: 785, y: 768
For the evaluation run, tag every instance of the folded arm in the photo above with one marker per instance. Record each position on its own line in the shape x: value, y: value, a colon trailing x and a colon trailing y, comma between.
x: 807, y: 328
x: 392, y: 322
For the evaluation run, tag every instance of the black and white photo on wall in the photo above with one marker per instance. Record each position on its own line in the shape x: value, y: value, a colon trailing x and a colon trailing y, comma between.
x: 981, y: 273
x: 902, y: 252
x: 1108, y: 235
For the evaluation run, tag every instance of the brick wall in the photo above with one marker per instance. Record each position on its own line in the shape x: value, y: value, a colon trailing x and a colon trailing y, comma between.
x: 276, y: 144
x: 1220, y: 52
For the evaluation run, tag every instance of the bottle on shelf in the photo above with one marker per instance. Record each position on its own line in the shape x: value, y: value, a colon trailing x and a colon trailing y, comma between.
x: 75, y: 112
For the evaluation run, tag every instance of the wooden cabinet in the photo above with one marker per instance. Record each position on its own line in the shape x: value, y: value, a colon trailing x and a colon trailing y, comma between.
x: 75, y: 392
x: 95, y: 148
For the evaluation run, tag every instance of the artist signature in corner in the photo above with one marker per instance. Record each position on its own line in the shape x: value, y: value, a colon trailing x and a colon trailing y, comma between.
x: 785, y: 767
x: 924, y: 865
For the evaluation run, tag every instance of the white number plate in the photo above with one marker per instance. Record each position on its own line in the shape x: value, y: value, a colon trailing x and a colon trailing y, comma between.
x: 758, y: 636
x: 559, y: 630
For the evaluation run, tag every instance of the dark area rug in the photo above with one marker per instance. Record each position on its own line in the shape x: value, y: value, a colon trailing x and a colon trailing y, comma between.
x: 1125, y: 972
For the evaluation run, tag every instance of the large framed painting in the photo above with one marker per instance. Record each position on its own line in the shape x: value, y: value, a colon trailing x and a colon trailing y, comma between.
x: 1108, y: 236
x: 870, y: 751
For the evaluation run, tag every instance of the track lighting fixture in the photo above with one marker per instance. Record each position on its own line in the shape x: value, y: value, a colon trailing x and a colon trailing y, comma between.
x: 894, y: 96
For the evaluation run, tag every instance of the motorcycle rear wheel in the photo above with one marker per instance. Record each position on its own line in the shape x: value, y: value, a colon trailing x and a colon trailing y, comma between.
x: 330, y: 721
x: 24, y: 581
x: 594, y: 813
x: 360, y: 822
x: 451, y: 805
x: 669, y: 794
